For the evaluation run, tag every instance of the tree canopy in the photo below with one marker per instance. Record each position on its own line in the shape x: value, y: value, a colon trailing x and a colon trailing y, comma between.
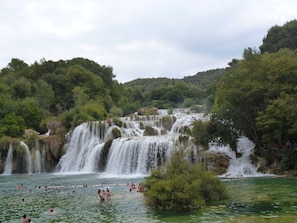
x: 257, y: 97
x: 180, y: 185
x: 279, y: 37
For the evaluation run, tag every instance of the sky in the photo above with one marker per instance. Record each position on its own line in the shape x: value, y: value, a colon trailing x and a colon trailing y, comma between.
x: 139, y: 38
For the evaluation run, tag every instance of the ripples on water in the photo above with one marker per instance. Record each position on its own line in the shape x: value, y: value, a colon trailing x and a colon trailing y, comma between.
x: 252, y: 200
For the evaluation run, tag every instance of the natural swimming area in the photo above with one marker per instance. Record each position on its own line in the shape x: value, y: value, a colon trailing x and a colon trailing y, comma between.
x: 74, y: 199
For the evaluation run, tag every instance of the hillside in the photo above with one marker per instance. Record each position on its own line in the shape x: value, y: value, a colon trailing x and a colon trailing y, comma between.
x: 201, y: 80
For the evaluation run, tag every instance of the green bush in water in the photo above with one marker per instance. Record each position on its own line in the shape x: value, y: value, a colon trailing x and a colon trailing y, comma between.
x: 181, y: 185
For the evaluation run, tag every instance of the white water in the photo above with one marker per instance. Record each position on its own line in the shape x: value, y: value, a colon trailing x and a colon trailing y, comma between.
x: 43, y: 157
x: 29, y: 157
x: 83, y: 148
x: 242, y: 166
x: 8, y: 164
x: 136, y: 154
x: 132, y: 154
x: 37, y: 159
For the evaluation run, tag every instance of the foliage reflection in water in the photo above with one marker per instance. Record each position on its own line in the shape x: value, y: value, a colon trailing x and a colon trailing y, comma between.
x: 251, y: 200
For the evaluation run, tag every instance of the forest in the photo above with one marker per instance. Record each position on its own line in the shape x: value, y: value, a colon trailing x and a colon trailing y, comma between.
x: 255, y: 96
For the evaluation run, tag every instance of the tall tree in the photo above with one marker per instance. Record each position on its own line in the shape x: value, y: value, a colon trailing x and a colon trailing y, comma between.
x: 250, y: 86
x: 279, y: 37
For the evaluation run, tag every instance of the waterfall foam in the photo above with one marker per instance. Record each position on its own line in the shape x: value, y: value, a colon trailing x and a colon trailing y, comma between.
x: 8, y: 163
x: 28, y: 156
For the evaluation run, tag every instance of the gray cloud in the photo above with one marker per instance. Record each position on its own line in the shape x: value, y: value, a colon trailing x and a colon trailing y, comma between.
x: 139, y: 39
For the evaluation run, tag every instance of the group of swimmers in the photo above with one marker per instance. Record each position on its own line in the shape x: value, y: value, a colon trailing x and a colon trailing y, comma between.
x: 140, y: 187
x: 104, y: 194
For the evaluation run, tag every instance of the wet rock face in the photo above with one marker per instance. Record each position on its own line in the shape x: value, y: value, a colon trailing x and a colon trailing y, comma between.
x: 150, y: 131
x: 215, y: 162
x: 54, y: 127
x: 54, y: 146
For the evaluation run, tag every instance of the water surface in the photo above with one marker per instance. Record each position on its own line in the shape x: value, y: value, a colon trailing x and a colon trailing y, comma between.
x: 266, y: 199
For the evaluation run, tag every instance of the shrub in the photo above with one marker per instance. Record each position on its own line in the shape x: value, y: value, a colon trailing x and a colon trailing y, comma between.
x: 180, y: 185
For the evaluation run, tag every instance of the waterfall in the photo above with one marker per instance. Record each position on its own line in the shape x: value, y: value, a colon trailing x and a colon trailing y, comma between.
x: 43, y: 157
x: 242, y: 166
x: 8, y: 164
x: 132, y: 153
x: 83, y: 147
x: 29, y: 157
x: 135, y: 153
x: 37, y: 159
x: 138, y: 155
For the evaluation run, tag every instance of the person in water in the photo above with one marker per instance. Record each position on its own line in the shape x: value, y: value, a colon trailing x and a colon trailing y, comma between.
x: 107, y: 194
x: 100, y: 195
x: 52, y: 210
x: 25, y: 219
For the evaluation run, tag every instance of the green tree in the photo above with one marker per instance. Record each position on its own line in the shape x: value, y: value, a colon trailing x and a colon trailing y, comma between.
x: 21, y: 87
x: 277, y: 122
x: 12, y: 125
x: 32, y: 113
x: 181, y: 185
x: 279, y: 37
x: 248, y: 88
x: 16, y: 65
x: 7, y: 105
x: 45, y: 94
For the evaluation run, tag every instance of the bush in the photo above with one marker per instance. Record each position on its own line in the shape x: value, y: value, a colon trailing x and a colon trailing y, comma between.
x: 181, y: 185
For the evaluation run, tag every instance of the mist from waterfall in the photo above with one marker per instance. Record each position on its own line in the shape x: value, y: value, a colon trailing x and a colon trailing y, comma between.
x: 8, y: 163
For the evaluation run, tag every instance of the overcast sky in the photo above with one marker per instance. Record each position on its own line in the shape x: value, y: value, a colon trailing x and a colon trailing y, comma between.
x: 139, y: 38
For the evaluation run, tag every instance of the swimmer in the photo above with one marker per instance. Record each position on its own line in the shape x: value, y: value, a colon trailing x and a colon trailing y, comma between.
x: 107, y: 194
x: 52, y: 210
x: 140, y: 188
x: 100, y: 195
x: 25, y: 219
x: 21, y: 187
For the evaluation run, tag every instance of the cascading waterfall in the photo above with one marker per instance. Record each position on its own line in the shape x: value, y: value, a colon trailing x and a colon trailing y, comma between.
x: 242, y: 166
x: 132, y: 153
x: 43, y: 157
x: 37, y: 159
x: 137, y: 154
x: 83, y: 148
x: 8, y: 164
x: 29, y: 157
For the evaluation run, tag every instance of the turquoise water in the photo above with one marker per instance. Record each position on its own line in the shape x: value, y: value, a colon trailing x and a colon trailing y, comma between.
x: 270, y: 199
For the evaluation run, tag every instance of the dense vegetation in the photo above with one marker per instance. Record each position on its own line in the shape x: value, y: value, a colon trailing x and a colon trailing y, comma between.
x: 72, y: 91
x: 195, y: 91
x: 76, y: 91
x: 181, y: 185
x: 257, y: 97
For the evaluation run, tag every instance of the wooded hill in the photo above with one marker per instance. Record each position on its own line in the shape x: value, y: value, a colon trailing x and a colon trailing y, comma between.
x: 79, y: 90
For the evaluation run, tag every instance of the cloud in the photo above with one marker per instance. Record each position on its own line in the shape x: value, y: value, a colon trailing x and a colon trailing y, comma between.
x: 147, y: 38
